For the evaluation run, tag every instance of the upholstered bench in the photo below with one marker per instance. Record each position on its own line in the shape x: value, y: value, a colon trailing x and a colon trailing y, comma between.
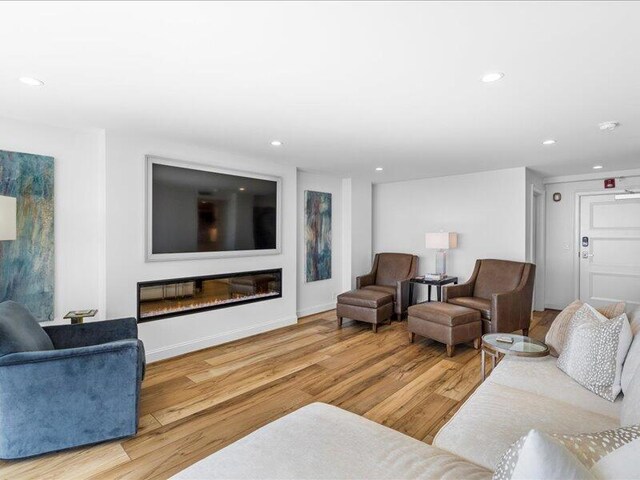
x: 445, y: 323
x: 365, y: 305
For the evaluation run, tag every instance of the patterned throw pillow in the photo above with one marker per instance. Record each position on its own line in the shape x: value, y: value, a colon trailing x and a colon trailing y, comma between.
x: 595, y: 351
x: 559, y: 330
x: 588, y: 448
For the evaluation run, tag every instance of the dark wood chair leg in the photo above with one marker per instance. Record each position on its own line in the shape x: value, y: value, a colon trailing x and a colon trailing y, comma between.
x: 339, y: 322
x: 374, y: 327
x: 412, y: 336
x: 476, y: 343
x: 525, y: 332
x: 451, y: 350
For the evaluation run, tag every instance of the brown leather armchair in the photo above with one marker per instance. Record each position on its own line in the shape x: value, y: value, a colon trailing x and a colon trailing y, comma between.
x: 501, y: 290
x: 390, y: 274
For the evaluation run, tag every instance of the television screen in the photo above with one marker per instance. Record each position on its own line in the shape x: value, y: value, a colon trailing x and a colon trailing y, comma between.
x: 196, y: 210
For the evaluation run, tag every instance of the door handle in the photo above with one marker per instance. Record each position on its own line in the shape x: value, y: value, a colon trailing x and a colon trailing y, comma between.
x: 586, y: 255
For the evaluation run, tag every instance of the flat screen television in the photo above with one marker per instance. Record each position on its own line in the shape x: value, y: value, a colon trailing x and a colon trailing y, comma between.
x: 197, y: 211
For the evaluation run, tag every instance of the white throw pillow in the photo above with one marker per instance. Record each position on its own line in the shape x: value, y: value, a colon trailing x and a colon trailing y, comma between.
x: 611, y: 454
x: 595, y: 351
x: 542, y: 457
x: 558, y: 333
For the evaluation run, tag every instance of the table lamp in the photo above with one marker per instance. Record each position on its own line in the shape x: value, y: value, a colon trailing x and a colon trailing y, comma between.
x: 7, y: 218
x: 441, y: 241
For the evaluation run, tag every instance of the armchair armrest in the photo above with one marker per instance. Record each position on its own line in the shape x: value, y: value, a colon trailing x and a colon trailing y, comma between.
x: 92, y: 333
x: 366, y: 280
x: 454, y: 291
x: 56, y: 399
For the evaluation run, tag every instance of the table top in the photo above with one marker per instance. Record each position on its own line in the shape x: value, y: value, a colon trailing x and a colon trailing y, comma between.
x: 81, y: 313
x: 521, y: 347
x: 442, y: 281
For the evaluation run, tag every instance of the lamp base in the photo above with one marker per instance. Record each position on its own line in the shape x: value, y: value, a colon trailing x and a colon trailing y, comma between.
x: 441, y: 262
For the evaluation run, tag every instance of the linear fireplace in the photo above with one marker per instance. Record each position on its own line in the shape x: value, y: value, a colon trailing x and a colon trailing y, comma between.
x: 182, y: 296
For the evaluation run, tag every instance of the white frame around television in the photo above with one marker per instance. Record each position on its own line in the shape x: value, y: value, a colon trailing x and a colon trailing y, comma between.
x: 161, y: 257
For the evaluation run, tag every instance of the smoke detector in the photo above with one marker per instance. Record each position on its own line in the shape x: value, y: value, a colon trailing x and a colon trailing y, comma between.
x: 608, y: 126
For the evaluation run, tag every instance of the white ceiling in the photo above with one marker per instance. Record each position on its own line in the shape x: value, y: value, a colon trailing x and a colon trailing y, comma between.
x: 346, y: 86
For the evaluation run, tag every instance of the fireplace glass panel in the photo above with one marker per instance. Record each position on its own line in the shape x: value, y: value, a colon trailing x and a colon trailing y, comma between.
x: 166, y: 298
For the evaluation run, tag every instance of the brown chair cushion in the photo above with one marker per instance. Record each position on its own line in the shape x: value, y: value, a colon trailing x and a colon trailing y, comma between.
x: 497, y: 276
x: 444, y: 313
x: 481, y: 304
x: 365, y: 298
x: 383, y: 289
x: 393, y: 267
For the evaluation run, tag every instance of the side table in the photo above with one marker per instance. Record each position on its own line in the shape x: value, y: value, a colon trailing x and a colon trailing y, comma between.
x: 429, y: 283
x: 520, y: 346
x: 78, y: 316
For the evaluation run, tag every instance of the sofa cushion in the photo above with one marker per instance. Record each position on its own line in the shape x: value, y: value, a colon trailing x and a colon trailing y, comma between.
x: 630, y: 413
x: 559, y: 331
x: 324, y: 442
x: 631, y: 364
x: 497, y: 276
x: 365, y: 298
x: 20, y: 331
x: 595, y: 351
x: 476, y: 303
x: 542, y: 377
x: 495, y: 416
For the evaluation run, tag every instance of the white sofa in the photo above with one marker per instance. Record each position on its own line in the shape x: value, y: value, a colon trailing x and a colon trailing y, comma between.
x: 322, y: 441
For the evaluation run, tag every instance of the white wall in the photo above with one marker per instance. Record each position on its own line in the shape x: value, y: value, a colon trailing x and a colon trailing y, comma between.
x: 319, y: 296
x: 357, y: 241
x: 562, y: 242
x: 78, y: 208
x: 126, y: 251
x: 487, y: 210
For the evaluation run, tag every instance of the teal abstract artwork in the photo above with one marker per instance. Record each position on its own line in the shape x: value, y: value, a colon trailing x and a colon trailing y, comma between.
x: 27, y: 263
x: 317, y: 235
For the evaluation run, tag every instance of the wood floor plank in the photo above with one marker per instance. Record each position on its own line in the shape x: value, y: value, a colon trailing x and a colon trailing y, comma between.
x: 197, y: 403
x: 69, y: 465
x: 414, y: 393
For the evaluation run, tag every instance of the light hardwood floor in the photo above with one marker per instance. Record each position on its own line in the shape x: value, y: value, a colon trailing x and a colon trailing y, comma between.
x: 196, y: 404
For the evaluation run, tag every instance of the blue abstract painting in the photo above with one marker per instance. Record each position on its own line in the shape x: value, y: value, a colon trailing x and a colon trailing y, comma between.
x: 27, y: 263
x: 317, y: 235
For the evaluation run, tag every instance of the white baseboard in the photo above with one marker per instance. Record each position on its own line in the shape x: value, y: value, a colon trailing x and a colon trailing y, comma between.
x: 555, y: 307
x: 317, y: 309
x: 224, y: 337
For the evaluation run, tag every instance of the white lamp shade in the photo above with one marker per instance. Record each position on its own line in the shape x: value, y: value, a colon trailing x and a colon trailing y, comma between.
x: 7, y: 218
x: 441, y: 240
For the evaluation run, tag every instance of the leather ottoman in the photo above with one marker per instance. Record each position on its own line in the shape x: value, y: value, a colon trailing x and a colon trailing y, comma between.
x: 445, y: 323
x: 369, y: 306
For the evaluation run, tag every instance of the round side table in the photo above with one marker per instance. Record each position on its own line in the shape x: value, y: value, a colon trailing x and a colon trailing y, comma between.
x: 520, y: 346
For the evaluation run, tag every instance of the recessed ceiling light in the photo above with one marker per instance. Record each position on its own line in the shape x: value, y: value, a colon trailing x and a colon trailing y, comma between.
x: 276, y: 143
x: 241, y: 189
x: 32, y: 82
x: 597, y: 167
x: 549, y: 142
x: 379, y: 169
x: 608, y: 126
x: 492, y: 77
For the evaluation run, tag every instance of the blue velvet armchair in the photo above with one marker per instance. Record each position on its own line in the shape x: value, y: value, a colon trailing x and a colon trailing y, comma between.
x: 68, y: 385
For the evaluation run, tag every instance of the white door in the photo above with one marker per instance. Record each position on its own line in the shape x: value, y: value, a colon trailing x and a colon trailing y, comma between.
x: 609, y: 250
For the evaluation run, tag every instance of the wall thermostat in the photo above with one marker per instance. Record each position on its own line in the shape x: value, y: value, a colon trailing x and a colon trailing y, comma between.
x: 557, y: 197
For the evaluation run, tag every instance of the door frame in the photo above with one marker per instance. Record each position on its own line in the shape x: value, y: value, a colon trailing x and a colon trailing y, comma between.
x: 538, y: 225
x: 576, y: 236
